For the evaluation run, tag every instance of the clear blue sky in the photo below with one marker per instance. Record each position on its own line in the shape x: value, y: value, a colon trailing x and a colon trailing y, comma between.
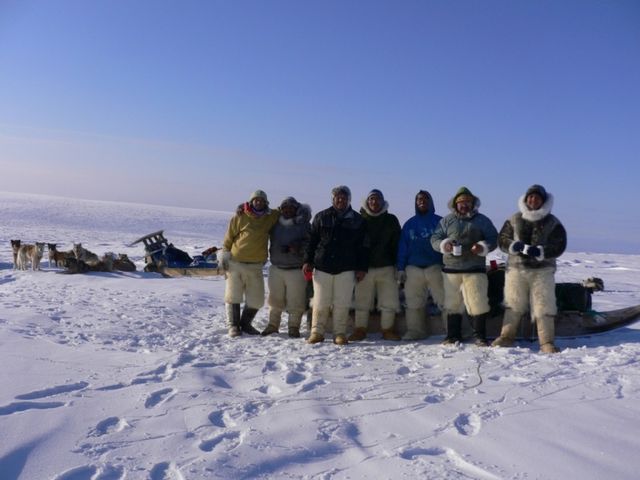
x: 198, y: 103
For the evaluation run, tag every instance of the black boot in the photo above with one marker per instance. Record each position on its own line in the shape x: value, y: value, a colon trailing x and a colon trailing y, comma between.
x: 454, y: 329
x: 233, y: 319
x: 479, y: 324
x: 248, y: 314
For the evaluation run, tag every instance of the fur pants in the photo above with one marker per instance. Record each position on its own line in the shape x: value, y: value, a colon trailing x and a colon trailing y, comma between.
x: 287, y: 292
x: 378, y: 283
x: 533, y: 289
x: 332, y: 293
x: 466, y: 290
x: 245, y: 282
x: 421, y: 281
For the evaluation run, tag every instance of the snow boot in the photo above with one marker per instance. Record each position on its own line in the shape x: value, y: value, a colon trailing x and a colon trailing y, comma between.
x: 547, y: 333
x: 360, y: 333
x: 233, y: 319
x: 248, y: 314
x: 340, y: 340
x: 416, y: 324
x: 454, y: 329
x: 479, y: 324
x: 294, y: 332
x: 389, y: 334
x: 510, y: 323
x: 274, y: 322
x: 315, y: 337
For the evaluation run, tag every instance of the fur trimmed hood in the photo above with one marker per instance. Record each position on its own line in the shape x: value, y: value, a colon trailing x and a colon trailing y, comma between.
x: 366, y: 211
x: 535, y: 215
x: 474, y: 210
x: 303, y: 215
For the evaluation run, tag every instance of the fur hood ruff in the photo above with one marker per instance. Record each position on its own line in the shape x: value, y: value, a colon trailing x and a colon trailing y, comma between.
x: 535, y: 215
x: 383, y: 210
x: 303, y: 215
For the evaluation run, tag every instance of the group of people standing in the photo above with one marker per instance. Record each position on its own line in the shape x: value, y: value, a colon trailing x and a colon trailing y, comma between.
x: 362, y: 259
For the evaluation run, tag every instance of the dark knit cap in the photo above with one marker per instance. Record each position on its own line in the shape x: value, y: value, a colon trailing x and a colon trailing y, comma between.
x: 537, y: 189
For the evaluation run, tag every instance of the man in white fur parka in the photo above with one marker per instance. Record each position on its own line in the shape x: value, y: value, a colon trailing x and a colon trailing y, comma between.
x: 533, y: 238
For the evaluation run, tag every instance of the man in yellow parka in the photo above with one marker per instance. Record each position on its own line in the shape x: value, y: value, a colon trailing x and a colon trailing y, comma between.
x: 244, y: 254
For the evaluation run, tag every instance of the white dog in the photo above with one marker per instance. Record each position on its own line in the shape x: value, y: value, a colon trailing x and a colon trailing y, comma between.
x: 30, y: 253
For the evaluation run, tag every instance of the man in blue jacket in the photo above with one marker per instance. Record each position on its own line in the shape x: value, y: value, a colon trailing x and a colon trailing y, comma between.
x: 419, y: 266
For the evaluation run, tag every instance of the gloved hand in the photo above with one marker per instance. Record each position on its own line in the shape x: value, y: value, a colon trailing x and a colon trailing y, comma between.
x: 401, y: 277
x: 517, y: 246
x: 224, y: 260
x: 534, y: 251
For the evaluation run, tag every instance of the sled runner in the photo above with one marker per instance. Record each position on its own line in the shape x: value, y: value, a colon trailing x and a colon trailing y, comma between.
x: 575, y: 316
x: 162, y: 257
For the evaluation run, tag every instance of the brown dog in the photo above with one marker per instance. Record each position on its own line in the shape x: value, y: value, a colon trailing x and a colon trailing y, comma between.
x: 56, y: 257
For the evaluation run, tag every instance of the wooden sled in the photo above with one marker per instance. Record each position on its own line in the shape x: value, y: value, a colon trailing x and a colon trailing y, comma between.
x: 568, y: 323
x: 162, y: 257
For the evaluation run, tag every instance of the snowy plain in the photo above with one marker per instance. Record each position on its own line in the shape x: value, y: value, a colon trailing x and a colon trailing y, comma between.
x: 131, y: 375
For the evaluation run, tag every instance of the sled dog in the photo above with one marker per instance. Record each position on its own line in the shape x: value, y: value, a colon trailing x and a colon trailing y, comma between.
x: 85, y: 255
x: 123, y: 263
x: 15, y: 246
x: 56, y: 257
x: 30, y: 253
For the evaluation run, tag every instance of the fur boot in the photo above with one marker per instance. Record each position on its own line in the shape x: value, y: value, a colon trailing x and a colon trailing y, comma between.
x: 546, y: 333
x: 416, y: 324
x: 274, y: 323
x: 510, y: 324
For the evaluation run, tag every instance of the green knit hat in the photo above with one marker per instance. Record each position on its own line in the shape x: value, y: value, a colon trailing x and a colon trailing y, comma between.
x: 259, y: 194
x: 463, y: 191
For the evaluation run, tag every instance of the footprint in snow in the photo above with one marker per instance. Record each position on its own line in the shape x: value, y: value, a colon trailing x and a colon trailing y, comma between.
x: 294, y: 377
x: 221, y: 419
x: 109, y: 425
x: 158, y: 397
x: 435, y: 398
x: 230, y: 440
x: 165, y: 471
x: 23, y: 406
x: 468, y: 424
x: 307, y: 387
x: 56, y: 390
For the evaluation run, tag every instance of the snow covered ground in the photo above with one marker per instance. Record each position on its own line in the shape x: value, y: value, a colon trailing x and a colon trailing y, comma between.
x: 131, y: 375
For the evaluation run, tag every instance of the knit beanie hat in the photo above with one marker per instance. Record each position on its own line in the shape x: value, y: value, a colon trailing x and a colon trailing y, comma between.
x: 259, y: 194
x: 463, y: 191
x: 290, y: 202
x: 537, y: 189
x: 377, y: 193
x: 341, y: 189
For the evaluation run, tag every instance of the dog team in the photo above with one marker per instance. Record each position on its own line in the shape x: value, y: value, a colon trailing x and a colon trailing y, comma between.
x: 77, y: 260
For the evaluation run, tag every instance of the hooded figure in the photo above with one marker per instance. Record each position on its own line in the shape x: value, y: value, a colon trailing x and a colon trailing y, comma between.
x: 419, y: 266
x: 380, y: 283
x: 465, y: 237
x: 337, y: 255
x: 287, y: 285
x: 244, y: 253
x: 533, y: 238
